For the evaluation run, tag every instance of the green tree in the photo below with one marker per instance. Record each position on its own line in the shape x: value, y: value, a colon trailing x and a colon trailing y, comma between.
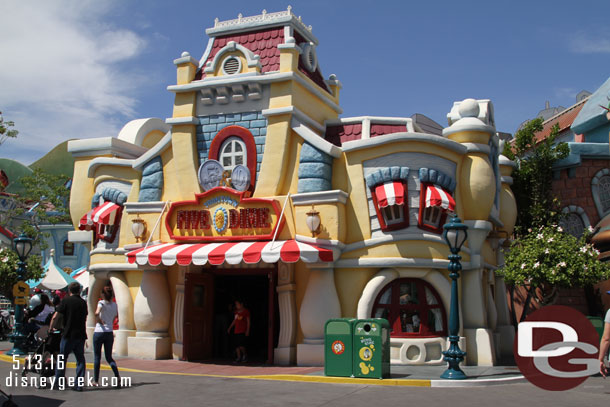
x: 532, y: 180
x: 6, y: 130
x: 8, y: 270
x: 548, y: 258
x: 44, y: 202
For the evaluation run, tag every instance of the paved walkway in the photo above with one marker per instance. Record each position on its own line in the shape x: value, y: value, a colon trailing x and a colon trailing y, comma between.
x: 420, y: 376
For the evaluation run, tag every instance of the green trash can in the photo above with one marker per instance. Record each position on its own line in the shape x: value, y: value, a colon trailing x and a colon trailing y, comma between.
x: 371, y: 348
x: 338, y: 336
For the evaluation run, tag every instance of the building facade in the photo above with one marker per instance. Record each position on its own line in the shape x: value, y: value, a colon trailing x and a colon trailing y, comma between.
x: 256, y: 189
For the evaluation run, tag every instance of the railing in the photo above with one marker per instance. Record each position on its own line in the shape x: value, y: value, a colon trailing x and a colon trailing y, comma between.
x: 264, y: 17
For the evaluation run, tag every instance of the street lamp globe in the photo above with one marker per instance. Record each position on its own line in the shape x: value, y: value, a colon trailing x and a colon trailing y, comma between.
x: 23, y: 246
x: 455, y: 234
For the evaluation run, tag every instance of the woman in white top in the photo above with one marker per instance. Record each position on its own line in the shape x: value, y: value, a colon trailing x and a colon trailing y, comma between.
x: 105, y: 314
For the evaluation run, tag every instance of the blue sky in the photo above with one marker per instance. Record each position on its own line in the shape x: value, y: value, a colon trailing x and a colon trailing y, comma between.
x: 76, y: 69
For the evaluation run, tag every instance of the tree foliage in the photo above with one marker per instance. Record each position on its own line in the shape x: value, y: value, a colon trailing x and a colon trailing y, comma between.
x: 532, y: 180
x: 547, y: 258
x: 6, y: 129
x: 44, y: 202
x: 8, y: 270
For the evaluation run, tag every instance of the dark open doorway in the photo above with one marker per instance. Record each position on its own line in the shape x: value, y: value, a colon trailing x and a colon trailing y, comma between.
x: 256, y: 287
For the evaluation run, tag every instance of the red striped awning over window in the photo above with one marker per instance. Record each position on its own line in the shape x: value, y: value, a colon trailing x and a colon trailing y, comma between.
x: 288, y: 251
x: 437, y: 196
x: 390, y: 193
x: 105, y: 214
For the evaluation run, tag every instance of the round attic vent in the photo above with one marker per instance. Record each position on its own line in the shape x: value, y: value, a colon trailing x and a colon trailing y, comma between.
x: 309, y: 57
x: 231, y: 66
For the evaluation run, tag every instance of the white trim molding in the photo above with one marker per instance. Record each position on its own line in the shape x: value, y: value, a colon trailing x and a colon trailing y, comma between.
x: 229, y: 80
x: 253, y: 61
x: 144, y: 207
x: 314, y: 139
x: 355, y: 145
x: 104, y: 145
x: 182, y: 120
x: 322, y: 197
x: 320, y: 242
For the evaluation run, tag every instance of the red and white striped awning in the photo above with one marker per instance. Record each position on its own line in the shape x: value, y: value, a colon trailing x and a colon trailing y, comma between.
x: 437, y: 196
x: 288, y: 251
x: 390, y: 193
x: 105, y: 214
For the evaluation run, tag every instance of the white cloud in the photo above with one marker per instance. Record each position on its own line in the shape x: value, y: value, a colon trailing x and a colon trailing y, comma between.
x: 586, y: 43
x: 63, y: 73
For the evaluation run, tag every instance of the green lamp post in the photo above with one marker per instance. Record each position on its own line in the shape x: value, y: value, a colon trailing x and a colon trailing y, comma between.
x: 455, y: 235
x: 23, y: 246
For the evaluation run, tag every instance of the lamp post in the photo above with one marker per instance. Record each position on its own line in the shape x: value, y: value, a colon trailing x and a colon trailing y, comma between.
x: 455, y: 235
x: 22, y: 245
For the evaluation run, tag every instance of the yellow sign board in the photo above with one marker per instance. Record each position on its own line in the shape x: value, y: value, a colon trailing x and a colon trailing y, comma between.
x: 20, y: 301
x: 21, y: 289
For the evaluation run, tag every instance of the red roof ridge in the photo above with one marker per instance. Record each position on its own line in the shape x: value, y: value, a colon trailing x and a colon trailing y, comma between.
x: 566, y: 111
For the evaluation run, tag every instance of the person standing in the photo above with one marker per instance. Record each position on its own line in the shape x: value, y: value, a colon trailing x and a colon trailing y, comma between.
x: 73, y: 310
x: 241, y: 331
x: 103, y: 335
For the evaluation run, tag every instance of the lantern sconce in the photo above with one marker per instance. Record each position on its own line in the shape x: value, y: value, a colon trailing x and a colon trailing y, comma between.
x: 138, y: 228
x: 313, y: 221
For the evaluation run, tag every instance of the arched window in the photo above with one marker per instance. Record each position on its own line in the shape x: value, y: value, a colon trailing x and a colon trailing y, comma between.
x: 413, y: 308
x: 604, y: 192
x: 234, y: 145
x: 575, y: 220
x: 233, y: 153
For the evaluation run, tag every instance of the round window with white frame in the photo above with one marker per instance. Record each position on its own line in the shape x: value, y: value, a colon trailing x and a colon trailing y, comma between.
x: 231, y: 66
x: 309, y: 57
x: 233, y: 153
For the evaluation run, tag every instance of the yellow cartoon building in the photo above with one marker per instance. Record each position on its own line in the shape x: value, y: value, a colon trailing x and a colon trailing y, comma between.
x: 256, y: 189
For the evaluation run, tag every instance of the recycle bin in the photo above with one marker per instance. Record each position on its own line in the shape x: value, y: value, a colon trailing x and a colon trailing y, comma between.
x: 338, y: 336
x: 371, y: 355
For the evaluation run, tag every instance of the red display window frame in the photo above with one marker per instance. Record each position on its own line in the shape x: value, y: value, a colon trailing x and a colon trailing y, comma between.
x: 405, y: 209
x: 245, y: 136
x: 421, y: 308
x: 422, y: 208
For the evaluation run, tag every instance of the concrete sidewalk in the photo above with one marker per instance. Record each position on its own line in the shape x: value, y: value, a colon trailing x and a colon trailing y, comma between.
x: 420, y: 376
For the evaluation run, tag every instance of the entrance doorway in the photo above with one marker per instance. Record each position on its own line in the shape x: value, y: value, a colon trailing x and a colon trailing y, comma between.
x: 208, y: 303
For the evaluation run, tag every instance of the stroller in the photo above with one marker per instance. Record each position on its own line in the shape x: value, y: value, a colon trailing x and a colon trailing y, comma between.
x: 44, y: 358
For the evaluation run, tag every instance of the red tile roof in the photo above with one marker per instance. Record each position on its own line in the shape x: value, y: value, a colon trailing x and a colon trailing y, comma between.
x: 563, y: 119
x: 381, y: 129
x: 342, y: 133
x: 262, y: 43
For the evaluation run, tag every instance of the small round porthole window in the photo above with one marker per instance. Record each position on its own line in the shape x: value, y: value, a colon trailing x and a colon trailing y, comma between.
x: 232, y: 65
x: 309, y: 57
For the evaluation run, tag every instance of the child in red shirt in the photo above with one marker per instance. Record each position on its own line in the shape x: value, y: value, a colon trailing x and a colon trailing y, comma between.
x: 241, y: 331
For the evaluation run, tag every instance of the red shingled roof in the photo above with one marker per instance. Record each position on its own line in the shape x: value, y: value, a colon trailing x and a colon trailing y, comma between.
x: 563, y: 119
x: 381, y: 129
x: 342, y: 133
x: 262, y: 43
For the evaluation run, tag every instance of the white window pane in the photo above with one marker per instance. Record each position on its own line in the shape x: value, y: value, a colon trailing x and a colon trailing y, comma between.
x: 238, y: 147
x: 226, y: 162
x: 386, y: 297
x: 239, y: 159
x: 229, y: 148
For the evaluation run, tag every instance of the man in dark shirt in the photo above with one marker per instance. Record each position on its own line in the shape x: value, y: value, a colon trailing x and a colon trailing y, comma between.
x: 73, y: 309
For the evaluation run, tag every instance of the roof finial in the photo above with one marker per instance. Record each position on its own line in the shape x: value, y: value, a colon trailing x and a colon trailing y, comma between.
x: 239, y: 17
x: 289, y: 8
x: 264, y: 13
x: 216, y: 21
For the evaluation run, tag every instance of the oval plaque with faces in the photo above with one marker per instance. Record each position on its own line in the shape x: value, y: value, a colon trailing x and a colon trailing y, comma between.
x: 210, y: 174
x: 240, y: 177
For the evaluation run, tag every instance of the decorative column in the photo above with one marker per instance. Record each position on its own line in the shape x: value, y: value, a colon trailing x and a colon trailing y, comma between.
x: 473, y: 128
x: 151, y: 315
x: 127, y: 327
x: 285, y: 352
x: 97, y: 281
x: 320, y: 304
x: 178, y: 346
